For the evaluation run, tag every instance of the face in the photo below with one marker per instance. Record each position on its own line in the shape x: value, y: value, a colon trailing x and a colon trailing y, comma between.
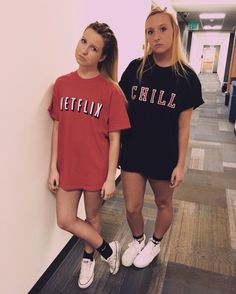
x: 159, y: 33
x: 89, y: 49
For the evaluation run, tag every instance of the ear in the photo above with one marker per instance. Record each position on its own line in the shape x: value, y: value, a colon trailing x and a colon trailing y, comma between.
x: 102, y: 58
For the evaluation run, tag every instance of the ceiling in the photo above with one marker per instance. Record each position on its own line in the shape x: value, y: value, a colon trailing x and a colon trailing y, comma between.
x: 188, y: 11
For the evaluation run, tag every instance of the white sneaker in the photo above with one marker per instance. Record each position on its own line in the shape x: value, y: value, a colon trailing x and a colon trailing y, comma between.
x: 86, y: 273
x: 146, y: 256
x: 114, y: 259
x: 132, y: 251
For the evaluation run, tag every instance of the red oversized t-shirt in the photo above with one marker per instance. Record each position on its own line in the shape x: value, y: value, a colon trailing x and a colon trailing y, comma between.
x: 87, y: 110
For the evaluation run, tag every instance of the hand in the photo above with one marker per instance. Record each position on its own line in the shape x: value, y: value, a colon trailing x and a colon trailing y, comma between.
x: 53, y: 181
x: 108, y: 189
x: 177, y: 177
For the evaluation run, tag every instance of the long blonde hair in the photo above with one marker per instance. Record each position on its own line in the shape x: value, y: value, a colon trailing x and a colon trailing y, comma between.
x: 178, y: 59
x: 109, y: 66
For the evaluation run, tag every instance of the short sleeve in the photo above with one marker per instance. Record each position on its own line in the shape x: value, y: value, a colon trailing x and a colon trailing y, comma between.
x: 118, y: 117
x: 193, y: 94
x: 54, y: 107
x: 128, y: 76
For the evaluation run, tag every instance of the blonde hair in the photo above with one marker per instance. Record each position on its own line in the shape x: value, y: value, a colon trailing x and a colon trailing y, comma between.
x: 108, y: 66
x: 178, y: 59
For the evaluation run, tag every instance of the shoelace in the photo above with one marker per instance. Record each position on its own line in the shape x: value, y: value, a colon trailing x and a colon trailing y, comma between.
x: 135, y: 242
x: 86, y: 263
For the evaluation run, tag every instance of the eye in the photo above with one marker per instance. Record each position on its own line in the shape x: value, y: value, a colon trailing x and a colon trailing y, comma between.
x: 149, y: 32
x: 83, y: 41
x: 163, y: 29
x: 94, y: 49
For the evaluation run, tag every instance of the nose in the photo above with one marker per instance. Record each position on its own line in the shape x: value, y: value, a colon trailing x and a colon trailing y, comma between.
x: 156, y: 36
x: 85, y: 50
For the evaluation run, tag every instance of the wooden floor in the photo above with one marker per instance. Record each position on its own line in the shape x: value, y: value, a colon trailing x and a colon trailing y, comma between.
x: 198, y: 253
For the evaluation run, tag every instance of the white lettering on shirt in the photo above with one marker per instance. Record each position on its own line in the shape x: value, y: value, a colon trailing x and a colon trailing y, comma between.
x: 61, y: 103
x: 160, y: 101
x: 153, y: 95
x: 85, y: 106
x: 73, y: 103
x: 66, y: 103
x: 99, y: 107
x: 134, y: 88
x: 160, y: 97
x: 143, y: 94
x: 77, y: 104
x: 91, y: 107
x: 170, y: 104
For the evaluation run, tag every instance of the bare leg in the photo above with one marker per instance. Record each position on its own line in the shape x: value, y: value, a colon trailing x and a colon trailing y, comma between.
x: 66, y: 206
x: 163, y: 199
x: 134, y: 189
x: 92, y: 202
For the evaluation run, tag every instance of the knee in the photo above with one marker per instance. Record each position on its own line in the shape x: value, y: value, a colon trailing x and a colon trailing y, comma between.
x: 133, y: 210
x: 94, y: 217
x: 64, y: 223
x: 164, y: 204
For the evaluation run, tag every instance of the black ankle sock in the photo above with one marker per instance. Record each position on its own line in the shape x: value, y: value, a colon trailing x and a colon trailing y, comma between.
x: 155, y: 239
x: 105, y: 250
x: 88, y: 255
x: 138, y: 238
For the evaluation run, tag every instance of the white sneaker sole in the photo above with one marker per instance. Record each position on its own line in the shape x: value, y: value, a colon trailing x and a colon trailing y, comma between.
x: 83, y: 286
x: 142, y: 265
x: 117, y: 265
x: 128, y: 264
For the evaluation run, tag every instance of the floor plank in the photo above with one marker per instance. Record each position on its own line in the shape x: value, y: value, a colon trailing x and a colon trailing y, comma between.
x: 198, y: 253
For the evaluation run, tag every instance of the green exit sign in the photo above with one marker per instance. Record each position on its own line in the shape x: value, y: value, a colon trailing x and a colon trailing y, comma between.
x: 193, y: 25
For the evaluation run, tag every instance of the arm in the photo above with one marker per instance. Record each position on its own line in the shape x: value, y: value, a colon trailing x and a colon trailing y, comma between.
x: 53, y: 179
x: 109, y: 186
x: 184, y: 130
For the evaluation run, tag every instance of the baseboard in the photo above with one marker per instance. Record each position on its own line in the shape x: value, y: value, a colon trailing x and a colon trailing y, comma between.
x: 53, y: 266
x: 57, y: 261
x: 118, y: 179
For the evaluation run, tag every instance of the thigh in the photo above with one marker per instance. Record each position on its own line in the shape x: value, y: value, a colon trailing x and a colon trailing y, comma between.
x: 162, y: 191
x: 133, y: 185
x: 92, y: 203
x: 67, y: 204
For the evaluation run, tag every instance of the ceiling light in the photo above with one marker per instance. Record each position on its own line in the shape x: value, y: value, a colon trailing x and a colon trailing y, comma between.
x: 212, y: 15
x: 212, y: 27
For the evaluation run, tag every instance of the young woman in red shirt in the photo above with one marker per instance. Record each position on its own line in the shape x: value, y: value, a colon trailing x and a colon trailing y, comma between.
x: 88, y: 110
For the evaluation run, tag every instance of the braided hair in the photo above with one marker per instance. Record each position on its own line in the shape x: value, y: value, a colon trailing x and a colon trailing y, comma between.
x: 108, y: 66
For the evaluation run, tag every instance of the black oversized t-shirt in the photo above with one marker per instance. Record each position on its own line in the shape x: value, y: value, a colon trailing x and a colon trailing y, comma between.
x: 150, y: 147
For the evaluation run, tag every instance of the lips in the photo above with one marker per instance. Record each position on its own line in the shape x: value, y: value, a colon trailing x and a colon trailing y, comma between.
x: 82, y: 57
x: 158, y: 45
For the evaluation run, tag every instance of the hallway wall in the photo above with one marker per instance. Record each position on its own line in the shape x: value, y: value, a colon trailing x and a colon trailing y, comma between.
x: 200, y: 39
x: 232, y: 71
x: 37, y: 45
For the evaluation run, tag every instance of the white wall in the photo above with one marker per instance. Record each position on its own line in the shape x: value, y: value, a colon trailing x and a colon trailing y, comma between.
x: 126, y: 20
x: 164, y: 4
x: 199, y: 39
x: 37, y: 45
x: 224, y: 47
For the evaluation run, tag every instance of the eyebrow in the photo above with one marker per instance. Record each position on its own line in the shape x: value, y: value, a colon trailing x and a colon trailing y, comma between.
x: 162, y: 24
x: 92, y: 44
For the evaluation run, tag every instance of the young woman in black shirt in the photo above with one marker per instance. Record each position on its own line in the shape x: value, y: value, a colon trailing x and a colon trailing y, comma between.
x: 162, y: 91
